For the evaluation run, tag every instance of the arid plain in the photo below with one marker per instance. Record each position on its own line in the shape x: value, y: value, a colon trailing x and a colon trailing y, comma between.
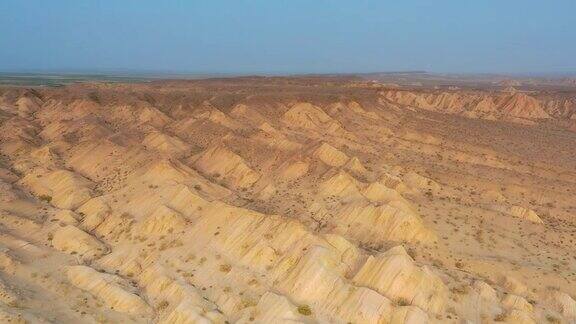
x: 287, y: 199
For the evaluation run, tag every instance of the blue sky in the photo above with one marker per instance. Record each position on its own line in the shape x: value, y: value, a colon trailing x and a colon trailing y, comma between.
x: 292, y: 36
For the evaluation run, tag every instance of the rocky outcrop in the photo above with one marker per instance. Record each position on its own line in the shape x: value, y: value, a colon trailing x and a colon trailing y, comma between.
x: 63, y: 189
x: 294, y: 170
x: 163, y: 220
x: 376, y: 224
x: 326, y: 200
x: 72, y: 240
x: 165, y: 143
x: 416, y: 181
x: 395, y: 275
x: 519, y: 212
x: 306, y: 115
x: 330, y: 155
x: 341, y: 185
x: 475, y: 105
x: 111, y: 289
x: 562, y: 303
x: 224, y: 165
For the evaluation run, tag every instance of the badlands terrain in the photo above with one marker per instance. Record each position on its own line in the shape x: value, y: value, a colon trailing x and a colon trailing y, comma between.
x: 274, y: 200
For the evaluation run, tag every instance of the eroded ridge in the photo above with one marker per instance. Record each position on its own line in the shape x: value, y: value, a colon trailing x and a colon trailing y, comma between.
x: 278, y: 200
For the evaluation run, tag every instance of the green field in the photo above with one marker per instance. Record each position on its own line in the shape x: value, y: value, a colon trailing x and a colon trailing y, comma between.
x: 31, y: 79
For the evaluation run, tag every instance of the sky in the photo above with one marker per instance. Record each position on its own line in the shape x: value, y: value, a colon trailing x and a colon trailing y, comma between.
x: 290, y: 36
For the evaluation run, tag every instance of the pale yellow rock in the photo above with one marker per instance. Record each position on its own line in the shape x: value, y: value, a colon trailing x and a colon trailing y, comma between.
x: 394, y: 182
x: 178, y: 197
x: 563, y: 303
x: 525, y: 213
x: 267, y: 192
x: 73, y: 240
x: 93, y: 213
x: 395, y: 275
x: 350, y: 254
x: 519, y: 212
x: 409, y: 315
x: 67, y: 217
x: 341, y: 185
x: 153, y: 116
x: 414, y: 180
x: 307, y: 116
x: 274, y: 308
x: 492, y: 196
x: 355, y: 166
x: 188, y: 313
x: 27, y: 105
x: 230, y: 167
x: 164, y: 143
x: 44, y: 156
x: 65, y: 189
x: 312, y: 277
x: 378, y: 192
x: 485, y: 291
x: 379, y: 223
x: 316, y: 280
x: 181, y: 197
x: 274, y: 138
x: 350, y: 107
x: 230, y: 200
x: 360, y: 305
x: 163, y: 220
x: 406, y: 98
x: 355, y: 107
x: 420, y: 137
x: 114, y: 226
x: 514, y: 105
x: 295, y: 170
x: 266, y: 127
x: 250, y: 114
x: 517, y: 302
x: 218, y: 117
x: 109, y: 288
x: 166, y: 170
x: 513, y: 285
x: 330, y: 155
x: 517, y: 316
x: 190, y: 306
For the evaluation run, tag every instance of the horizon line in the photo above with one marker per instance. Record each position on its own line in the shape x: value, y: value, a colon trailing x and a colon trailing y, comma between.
x: 121, y: 72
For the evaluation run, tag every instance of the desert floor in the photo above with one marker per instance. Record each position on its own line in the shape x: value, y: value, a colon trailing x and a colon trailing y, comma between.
x: 277, y: 200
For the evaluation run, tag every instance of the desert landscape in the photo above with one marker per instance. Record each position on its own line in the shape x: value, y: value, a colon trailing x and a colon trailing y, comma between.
x: 303, y: 199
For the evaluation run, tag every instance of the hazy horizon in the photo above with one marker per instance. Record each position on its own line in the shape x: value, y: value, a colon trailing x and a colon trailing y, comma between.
x: 188, y: 74
x: 278, y: 38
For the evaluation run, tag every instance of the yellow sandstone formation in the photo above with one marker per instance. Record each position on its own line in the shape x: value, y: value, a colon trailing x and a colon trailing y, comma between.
x: 286, y: 200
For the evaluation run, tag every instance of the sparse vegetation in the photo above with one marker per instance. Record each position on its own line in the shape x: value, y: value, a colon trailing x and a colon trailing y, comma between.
x: 162, y: 305
x: 45, y: 198
x: 225, y: 268
x: 500, y: 317
x: 305, y: 310
x: 401, y: 302
x: 234, y: 225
